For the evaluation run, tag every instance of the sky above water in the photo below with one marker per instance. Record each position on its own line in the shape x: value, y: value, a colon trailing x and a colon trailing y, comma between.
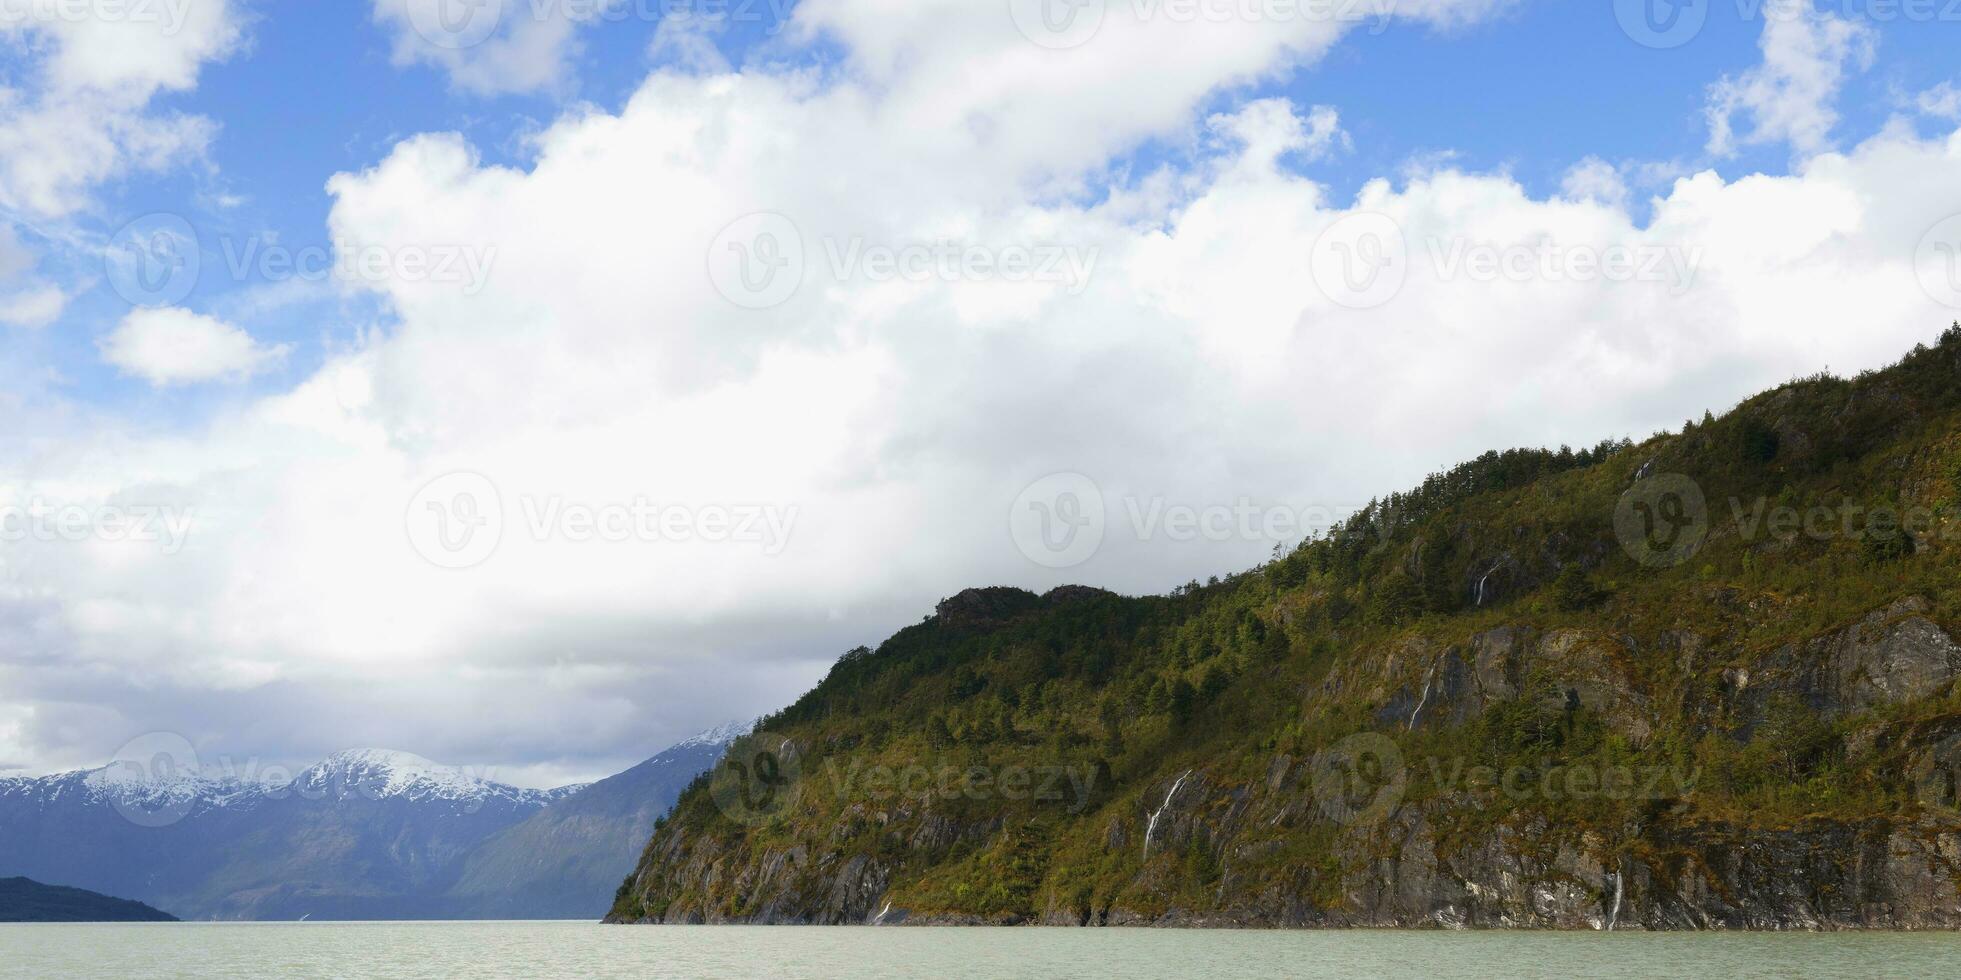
x: 531, y: 383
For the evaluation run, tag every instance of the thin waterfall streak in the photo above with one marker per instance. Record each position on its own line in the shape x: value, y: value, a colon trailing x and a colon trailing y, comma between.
x: 1620, y: 889
x: 1428, y: 679
x: 1152, y: 827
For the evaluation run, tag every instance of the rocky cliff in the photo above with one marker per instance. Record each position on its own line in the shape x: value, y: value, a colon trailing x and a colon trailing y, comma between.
x: 1706, y: 681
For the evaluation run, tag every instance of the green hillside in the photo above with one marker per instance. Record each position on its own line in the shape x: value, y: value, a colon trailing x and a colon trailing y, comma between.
x: 1703, y: 680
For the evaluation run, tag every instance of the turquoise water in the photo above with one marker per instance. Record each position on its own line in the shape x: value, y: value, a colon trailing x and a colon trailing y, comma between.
x: 578, y: 949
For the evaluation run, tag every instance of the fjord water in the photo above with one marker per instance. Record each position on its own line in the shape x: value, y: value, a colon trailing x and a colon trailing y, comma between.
x: 578, y: 949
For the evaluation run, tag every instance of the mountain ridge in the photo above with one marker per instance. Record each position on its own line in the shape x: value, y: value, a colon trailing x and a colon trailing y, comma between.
x: 364, y: 833
x: 1703, y: 681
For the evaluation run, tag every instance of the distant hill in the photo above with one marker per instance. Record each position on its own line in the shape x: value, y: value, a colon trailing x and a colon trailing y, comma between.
x: 1707, y: 680
x: 22, y: 900
x: 365, y: 834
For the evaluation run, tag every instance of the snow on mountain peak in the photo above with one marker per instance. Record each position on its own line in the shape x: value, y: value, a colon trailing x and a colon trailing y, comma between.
x: 719, y: 735
x: 126, y: 776
x: 127, y: 784
x: 383, y: 773
x: 157, y: 794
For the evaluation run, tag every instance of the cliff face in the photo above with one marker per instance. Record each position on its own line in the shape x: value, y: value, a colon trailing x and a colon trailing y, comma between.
x: 1499, y: 701
x: 1475, y: 850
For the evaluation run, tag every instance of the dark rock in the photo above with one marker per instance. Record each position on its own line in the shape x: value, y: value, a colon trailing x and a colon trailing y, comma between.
x: 985, y: 608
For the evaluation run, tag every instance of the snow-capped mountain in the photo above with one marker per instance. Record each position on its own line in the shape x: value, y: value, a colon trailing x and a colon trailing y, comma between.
x: 366, y: 833
x: 719, y: 736
x: 379, y: 774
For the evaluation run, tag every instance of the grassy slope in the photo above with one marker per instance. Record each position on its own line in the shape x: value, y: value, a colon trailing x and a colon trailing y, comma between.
x: 1337, y: 637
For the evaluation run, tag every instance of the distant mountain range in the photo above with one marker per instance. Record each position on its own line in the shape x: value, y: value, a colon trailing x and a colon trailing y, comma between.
x: 365, y: 834
x: 22, y: 900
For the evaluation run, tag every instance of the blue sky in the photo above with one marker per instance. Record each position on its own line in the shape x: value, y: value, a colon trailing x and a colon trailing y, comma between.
x: 1208, y: 346
x: 313, y: 91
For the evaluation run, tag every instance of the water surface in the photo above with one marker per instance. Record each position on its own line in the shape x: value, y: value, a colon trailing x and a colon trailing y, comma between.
x: 532, y: 949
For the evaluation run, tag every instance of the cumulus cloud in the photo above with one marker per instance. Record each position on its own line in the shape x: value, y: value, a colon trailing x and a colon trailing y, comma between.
x: 1942, y: 101
x: 34, y: 306
x: 992, y: 97
x: 1792, y: 97
x: 85, y: 114
x: 890, y: 413
x: 171, y: 346
x: 1594, y: 179
x: 488, y: 47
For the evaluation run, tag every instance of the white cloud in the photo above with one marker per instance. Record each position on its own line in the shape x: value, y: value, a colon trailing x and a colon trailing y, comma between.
x: 1792, y: 97
x: 171, y: 346
x: 1942, y: 101
x: 689, y: 43
x: 37, y: 305
x: 25, y: 300
x: 488, y: 47
x: 1594, y: 179
x: 85, y: 116
x: 1268, y: 129
x: 599, y: 365
x: 54, y: 153
x: 961, y: 87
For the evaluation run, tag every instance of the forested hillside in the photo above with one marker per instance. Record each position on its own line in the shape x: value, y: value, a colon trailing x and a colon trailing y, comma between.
x: 1706, y: 680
